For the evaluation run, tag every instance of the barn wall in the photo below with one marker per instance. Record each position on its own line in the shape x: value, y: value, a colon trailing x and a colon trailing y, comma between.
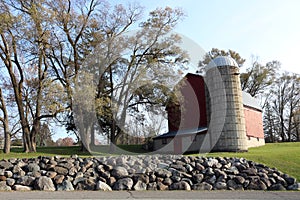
x: 255, y: 142
x: 254, y: 123
x: 190, y: 110
x: 165, y: 148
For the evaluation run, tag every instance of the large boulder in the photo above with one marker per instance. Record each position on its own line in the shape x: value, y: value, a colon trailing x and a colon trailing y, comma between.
x: 119, y: 172
x: 182, y: 185
x: 66, y: 185
x: 4, y: 187
x: 103, y: 186
x: 44, y: 183
x: 123, y: 184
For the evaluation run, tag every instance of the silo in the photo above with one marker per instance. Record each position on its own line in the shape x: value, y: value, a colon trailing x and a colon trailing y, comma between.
x: 227, y: 130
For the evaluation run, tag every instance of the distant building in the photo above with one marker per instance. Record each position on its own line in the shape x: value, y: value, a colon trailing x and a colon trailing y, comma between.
x: 212, y: 113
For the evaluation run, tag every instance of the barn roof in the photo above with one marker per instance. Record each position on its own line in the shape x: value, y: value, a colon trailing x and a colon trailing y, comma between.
x: 250, y: 101
x: 182, y: 132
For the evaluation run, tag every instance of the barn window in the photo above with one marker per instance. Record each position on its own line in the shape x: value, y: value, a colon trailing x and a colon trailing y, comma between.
x: 257, y: 139
x: 164, y: 141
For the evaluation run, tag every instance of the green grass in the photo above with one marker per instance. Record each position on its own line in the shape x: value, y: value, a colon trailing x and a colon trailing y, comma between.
x: 283, y: 156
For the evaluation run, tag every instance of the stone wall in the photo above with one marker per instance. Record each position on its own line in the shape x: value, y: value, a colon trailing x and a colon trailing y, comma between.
x: 155, y: 172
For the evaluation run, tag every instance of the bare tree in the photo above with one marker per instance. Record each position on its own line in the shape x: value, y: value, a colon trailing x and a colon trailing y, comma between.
x: 285, y: 103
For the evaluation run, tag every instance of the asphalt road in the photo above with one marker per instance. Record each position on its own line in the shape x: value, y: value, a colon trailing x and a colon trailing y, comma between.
x: 151, y: 195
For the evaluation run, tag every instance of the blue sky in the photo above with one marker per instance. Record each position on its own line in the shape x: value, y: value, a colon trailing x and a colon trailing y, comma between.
x: 269, y: 29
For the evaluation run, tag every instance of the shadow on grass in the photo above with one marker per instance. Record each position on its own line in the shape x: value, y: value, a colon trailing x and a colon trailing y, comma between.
x: 101, y: 150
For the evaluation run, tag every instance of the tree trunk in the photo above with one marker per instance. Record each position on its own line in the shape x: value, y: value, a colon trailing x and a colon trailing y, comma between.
x: 112, y: 147
x: 7, y: 141
x: 4, y: 120
x: 92, y: 143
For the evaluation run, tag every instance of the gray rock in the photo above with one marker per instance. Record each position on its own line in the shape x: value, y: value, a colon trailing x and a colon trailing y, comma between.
x: 266, y: 181
x: 59, y: 179
x: 202, y: 186
x: 74, y: 156
x: 167, y: 181
x: 111, y: 181
x: 61, y: 170
x: 78, y: 180
x: 175, y: 178
x: 220, y: 174
x: 189, y: 181
x: 79, y: 175
x: 220, y: 186
x: 73, y: 171
x: 5, y: 165
x: 44, y: 183
x: 295, y: 186
x: 140, y: 177
x: 139, y: 186
x: 21, y: 188
x: 123, y: 184
x: 232, y: 185
x: 199, y: 167
x: 163, y: 173
x: 182, y: 185
x: 4, y: 187
x: 185, y: 159
x: 233, y: 170
x: 119, y: 172
x: 26, y: 180
x: 17, y: 169
x: 65, y: 164
x: 152, y: 186
x: 241, y: 167
x: 256, y: 184
x: 87, y: 184
x: 105, y: 175
x: 10, y: 181
x: 290, y: 180
x: 186, y: 175
x: 13, y: 160
x: 197, y: 178
x: 212, y: 180
x: 189, y: 168
x: 161, y: 186
x: 8, y: 174
x: 103, y: 186
x: 277, y: 186
x: 178, y: 167
x: 209, y: 171
x: 21, y: 164
x: 239, y: 179
x: 33, y: 167
x: 88, y: 164
x: 66, y: 185
x: 211, y: 162
x: 51, y: 174
x: 250, y: 171
x: 281, y: 180
x: 163, y: 165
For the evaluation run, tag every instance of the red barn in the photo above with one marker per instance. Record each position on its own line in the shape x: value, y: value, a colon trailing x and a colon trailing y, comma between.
x: 188, y: 118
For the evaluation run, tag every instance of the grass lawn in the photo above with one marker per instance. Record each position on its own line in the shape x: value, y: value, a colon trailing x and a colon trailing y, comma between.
x: 283, y: 156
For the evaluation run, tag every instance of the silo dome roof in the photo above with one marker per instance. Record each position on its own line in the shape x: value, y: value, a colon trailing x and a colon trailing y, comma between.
x: 221, y: 61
